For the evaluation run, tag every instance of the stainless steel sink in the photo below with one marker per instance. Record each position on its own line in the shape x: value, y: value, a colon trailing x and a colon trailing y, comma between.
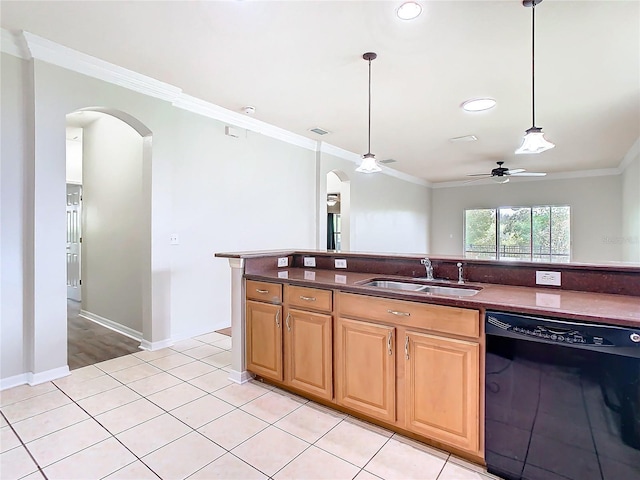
x: 420, y: 287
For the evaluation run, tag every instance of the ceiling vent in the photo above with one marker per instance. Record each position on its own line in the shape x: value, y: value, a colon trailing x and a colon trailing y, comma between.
x: 388, y: 160
x: 466, y: 138
x: 319, y: 131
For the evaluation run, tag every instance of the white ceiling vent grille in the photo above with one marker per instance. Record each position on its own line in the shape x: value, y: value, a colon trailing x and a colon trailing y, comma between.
x: 319, y: 131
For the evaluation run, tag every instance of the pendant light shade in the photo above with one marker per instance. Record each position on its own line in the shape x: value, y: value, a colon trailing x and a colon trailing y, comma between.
x: 533, y: 141
x: 369, y: 164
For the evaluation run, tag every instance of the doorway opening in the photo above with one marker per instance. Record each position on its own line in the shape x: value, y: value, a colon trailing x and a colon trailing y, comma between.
x: 107, y: 241
x: 338, y: 203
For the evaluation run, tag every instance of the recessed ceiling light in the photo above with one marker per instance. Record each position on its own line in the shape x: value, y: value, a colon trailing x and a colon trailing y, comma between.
x: 409, y: 11
x: 478, y: 104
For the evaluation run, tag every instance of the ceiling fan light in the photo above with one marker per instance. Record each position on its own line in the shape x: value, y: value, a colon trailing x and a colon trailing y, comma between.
x: 534, y: 142
x: 500, y: 179
x: 369, y: 164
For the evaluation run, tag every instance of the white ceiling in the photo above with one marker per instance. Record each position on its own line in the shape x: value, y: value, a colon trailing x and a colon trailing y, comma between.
x: 300, y: 64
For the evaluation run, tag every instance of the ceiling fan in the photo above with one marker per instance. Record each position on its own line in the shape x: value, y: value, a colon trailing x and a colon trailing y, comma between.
x: 501, y: 174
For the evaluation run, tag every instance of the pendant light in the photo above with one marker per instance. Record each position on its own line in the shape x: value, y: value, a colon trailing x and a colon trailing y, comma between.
x: 369, y: 164
x: 533, y: 141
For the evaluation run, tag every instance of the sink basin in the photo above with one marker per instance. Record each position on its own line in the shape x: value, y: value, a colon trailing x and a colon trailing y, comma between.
x: 420, y: 287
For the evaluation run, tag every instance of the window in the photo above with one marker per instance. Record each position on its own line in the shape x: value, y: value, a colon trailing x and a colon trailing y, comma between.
x: 538, y: 234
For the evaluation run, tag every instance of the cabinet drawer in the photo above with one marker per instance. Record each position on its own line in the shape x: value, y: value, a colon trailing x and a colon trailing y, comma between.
x: 264, y: 291
x: 309, y: 298
x: 438, y: 318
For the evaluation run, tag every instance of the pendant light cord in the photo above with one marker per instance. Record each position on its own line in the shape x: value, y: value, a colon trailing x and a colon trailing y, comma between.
x: 369, y: 145
x: 533, y: 62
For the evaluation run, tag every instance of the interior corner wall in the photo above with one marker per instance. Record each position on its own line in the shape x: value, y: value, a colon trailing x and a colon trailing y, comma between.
x: 112, y: 238
x: 630, y: 238
x: 13, y: 153
x: 596, y: 220
x: 387, y: 214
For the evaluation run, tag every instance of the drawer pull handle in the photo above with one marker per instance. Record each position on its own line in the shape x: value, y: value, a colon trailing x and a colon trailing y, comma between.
x: 389, y: 337
x: 259, y: 290
x: 399, y: 314
x: 406, y: 347
x: 287, y: 322
x: 308, y: 299
x: 278, y: 319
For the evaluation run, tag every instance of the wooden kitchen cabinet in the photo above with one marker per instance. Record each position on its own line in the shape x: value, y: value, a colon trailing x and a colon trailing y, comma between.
x: 291, y: 343
x: 366, y: 368
x: 442, y: 389
x: 264, y: 339
x: 308, y: 346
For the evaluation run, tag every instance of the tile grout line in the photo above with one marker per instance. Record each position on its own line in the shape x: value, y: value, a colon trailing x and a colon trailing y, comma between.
x: 24, y: 446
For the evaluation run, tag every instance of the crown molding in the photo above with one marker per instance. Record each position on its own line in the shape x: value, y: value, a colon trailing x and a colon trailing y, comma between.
x: 355, y: 158
x: 13, y: 44
x: 56, y: 54
x: 631, y: 155
x: 207, y: 109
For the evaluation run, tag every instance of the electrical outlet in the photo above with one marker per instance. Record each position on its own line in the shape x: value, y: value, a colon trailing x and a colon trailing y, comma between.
x: 283, y: 261
x: 174, y: 239
x: 548, y: 278
x: 309, y: 261
x: 341, y: 263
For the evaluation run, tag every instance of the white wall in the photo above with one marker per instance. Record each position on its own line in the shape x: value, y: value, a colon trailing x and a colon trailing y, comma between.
x: 631, y: 210
x: 12, y: 208
x: 230, y: 194
x: 74, y: 155
x: 595, y: 212
x: 387, y: 214
x: 112, y: 241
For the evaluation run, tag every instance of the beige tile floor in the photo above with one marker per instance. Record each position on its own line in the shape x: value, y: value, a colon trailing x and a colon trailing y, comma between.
x: 173, y: 414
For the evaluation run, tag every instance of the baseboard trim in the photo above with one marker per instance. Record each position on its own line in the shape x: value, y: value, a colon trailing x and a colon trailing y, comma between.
x: 240, y: 377
x: 111, y: 325
x: 14, y: 381
x: 47, y: 376
x: 146, y: 345
x: 34, y: 378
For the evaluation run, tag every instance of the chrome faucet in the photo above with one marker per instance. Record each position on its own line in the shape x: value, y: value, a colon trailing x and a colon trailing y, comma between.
x: 460, y: 279
x: 427, y: 265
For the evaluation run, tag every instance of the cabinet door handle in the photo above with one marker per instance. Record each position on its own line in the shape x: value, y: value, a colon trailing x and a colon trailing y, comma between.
x: 399, y: 314
x: 308, y: 299
x: 259, y: 290
x: 389, y: 337
x: 278, y: 319
x: 406, y: 347
x: 287, y: 322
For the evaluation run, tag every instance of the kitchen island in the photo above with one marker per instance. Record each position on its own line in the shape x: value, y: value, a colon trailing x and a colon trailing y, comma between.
x: 410, y: 360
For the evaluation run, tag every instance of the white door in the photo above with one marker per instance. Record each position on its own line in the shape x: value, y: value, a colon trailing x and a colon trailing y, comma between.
x: 74, y: 204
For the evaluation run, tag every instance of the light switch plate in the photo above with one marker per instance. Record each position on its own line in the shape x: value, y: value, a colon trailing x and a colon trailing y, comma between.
x: 548, y: 278
x: 283, y: 261
x: 309, y: 261
x: 341, y: 263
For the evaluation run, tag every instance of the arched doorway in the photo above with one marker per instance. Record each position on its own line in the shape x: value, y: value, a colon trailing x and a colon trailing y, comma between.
x: 115, y: 248
x: 338, y: 208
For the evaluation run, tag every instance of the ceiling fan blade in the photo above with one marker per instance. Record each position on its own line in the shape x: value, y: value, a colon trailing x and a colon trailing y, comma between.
x: 515, y: 171
x: 528, y: 174
x: 478, y: 174
x: 475, y: 179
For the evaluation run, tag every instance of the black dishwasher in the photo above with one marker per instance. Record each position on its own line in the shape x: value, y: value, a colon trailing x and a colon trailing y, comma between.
x: 562, y: 399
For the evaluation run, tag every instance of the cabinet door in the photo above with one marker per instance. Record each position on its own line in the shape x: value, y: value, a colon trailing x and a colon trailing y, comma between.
x: 365, y: 368
x: 264, y: 339
x: 308, y: 352
x: 442, y: 389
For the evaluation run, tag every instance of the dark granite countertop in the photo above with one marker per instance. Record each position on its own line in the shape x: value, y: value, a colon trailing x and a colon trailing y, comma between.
x: 568, y: 304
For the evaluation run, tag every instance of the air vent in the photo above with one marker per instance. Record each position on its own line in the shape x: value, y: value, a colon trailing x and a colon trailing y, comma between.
x: 319, y: 131
x: 466, y: 138
x: 387, y: 161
